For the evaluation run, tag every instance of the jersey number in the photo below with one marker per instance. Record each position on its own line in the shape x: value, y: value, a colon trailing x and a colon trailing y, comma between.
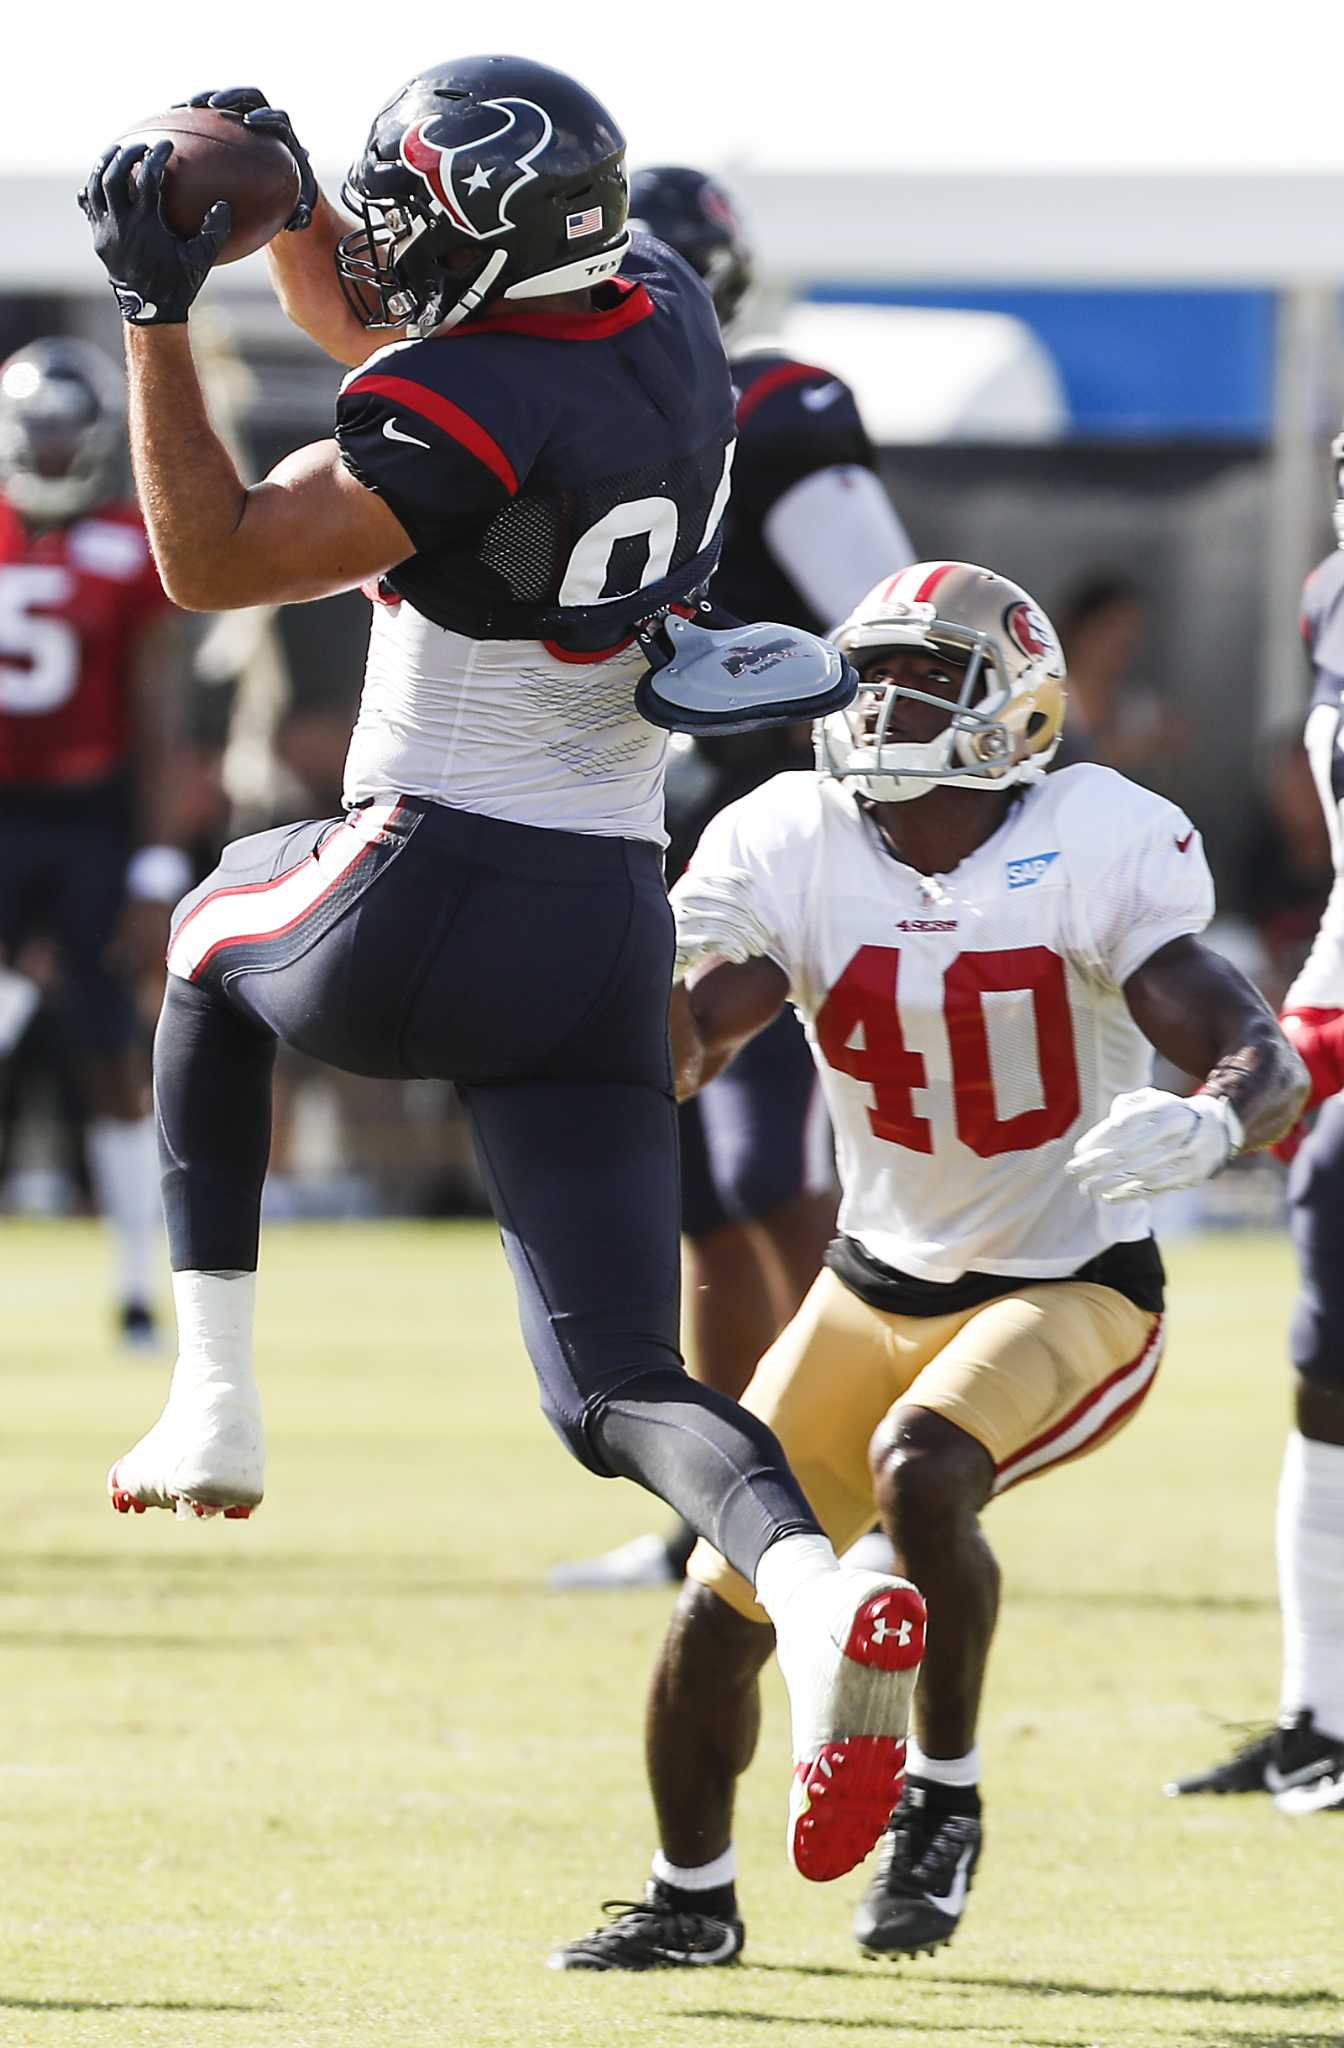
x: 646, y: 527
x: 39, y: 654
x: 863, y: 1006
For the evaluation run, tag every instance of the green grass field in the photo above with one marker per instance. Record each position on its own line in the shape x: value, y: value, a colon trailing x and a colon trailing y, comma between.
x: 341, y: 1776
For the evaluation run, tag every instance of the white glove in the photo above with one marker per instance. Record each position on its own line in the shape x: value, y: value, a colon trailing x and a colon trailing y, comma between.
x: 1152, y: 1142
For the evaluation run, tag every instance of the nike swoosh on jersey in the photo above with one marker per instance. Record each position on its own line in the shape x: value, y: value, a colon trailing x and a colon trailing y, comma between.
x: 392, y: 432
x: 954, y: 1898
x: 818, y: 396
x: 1181, y: 844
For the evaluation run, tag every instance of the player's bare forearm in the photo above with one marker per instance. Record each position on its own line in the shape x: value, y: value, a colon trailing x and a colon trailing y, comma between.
x: 713, y: 1021
x: 1203, y: 1015
x: 309, y: 529
x: 303, y: 272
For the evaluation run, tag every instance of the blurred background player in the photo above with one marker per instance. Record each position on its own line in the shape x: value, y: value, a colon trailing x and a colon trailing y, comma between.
x: 1301, y: 1760
x: 986, y: 957
x: 90, y: 653
x: 809, y: 527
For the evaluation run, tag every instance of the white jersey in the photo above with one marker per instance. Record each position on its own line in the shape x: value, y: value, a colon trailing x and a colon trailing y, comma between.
x: 1320, y: 984
x: 968, y: 1028
x: 505, y: 728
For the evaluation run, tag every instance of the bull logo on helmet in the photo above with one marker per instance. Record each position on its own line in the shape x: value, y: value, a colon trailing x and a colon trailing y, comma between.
x: 475, y: 182
x: 1030, y: 631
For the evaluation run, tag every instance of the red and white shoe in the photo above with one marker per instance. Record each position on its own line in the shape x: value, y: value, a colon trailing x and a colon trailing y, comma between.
x: 206, y: 1454
x: 855, y: 1642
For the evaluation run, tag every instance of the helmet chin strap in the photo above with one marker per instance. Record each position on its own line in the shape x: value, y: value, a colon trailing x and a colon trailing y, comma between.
x: 434, y: 321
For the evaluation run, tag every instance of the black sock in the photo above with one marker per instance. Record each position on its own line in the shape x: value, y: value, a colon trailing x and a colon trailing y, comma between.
x: 719, y: 1901
x: 926, y: 1795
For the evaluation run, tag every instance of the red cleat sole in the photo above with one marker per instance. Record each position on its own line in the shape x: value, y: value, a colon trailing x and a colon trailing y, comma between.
x: 842, y: 1798
x: 126, y: 1504
x: 841, y: 1802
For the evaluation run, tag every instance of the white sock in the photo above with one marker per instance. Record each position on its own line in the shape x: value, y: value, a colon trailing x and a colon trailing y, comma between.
x: 959, y: 1771
x: 1310, y: 1541
x: 789, y: 1563
x: 702, y: 1877
x: 215, y: 1313
x: 124, y: 1165
x: 874, y: 1552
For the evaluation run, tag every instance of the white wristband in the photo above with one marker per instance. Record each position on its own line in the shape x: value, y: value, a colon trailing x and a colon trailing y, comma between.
x: 158, y: 874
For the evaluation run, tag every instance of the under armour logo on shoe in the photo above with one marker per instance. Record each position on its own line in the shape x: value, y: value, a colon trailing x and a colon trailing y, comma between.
x: 882, y: 1628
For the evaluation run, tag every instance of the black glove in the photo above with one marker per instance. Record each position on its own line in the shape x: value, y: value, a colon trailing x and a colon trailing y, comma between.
x: 252, y: 104
x: 155, y: 273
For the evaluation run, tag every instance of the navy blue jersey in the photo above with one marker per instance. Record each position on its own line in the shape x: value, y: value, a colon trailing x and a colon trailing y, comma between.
x: 792, y: 420
x: 561, y: 475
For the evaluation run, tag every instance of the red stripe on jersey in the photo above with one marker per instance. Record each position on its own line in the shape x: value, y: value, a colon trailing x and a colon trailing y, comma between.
x: 449, y: 418
x: 684, y: 611
x: 633, y: 306
x: 775, y: 380
x: 598, y: 654
x: 931, y: 582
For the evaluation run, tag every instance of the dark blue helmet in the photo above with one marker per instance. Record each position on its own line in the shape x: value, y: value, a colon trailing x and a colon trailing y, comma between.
x: 487, y: 178
x: 62, y: 429
x: 695, y: 216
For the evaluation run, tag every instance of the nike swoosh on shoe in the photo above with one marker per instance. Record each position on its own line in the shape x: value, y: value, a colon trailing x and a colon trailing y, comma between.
x: 954, y: 1898
x: 1281, y: 1781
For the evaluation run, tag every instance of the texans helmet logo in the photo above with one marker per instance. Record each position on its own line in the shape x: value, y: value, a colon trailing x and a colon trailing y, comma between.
x: 1029, y: 630
x: 475, y: 182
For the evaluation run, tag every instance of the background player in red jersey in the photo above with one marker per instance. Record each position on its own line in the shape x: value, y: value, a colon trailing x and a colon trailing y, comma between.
x: 89, y: 647
x: 808, y: 528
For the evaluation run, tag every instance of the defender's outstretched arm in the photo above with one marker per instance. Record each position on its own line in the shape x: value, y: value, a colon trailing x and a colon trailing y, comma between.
x: 713, y: 1021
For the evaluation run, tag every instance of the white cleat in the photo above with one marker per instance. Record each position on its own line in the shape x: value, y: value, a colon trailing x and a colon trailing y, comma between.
x: 643, y: 1561
x: 206, y: 1454
x: 850, y: 1657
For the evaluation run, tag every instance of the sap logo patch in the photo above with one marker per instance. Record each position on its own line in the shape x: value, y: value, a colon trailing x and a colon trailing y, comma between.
x: 1022, y: 873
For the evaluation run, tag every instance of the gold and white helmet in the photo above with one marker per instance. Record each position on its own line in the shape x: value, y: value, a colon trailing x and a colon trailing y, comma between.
x: 1005, y: 724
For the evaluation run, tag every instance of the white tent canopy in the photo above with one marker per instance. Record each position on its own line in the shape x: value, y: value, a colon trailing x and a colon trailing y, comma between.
x: 927, y: 375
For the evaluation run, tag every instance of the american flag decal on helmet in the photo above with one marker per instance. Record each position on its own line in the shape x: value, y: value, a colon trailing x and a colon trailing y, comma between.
x: 589, y: 222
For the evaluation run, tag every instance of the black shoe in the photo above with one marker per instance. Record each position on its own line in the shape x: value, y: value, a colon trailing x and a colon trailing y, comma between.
x: 1290, y: 1754
x: 926, y: 1861
x: 137, y: 1328
x: 653, y: 1936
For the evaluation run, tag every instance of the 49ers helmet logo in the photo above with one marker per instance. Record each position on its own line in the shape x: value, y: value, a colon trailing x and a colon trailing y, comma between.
x: 475, y: 182
x: 1028, y: 629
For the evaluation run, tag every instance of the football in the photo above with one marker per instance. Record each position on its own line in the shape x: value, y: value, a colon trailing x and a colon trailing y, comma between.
x: 216, y: 157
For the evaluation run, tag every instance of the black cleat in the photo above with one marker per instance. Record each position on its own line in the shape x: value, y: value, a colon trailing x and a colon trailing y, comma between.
x: 1289, y: 1755
x: 654, y: 1935
x: 136, y: 1327
x: 926, y: 1861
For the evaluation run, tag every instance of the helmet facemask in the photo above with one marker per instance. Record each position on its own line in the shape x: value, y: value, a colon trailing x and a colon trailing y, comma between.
x: 401, y: 269
x: 1002, y: 724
